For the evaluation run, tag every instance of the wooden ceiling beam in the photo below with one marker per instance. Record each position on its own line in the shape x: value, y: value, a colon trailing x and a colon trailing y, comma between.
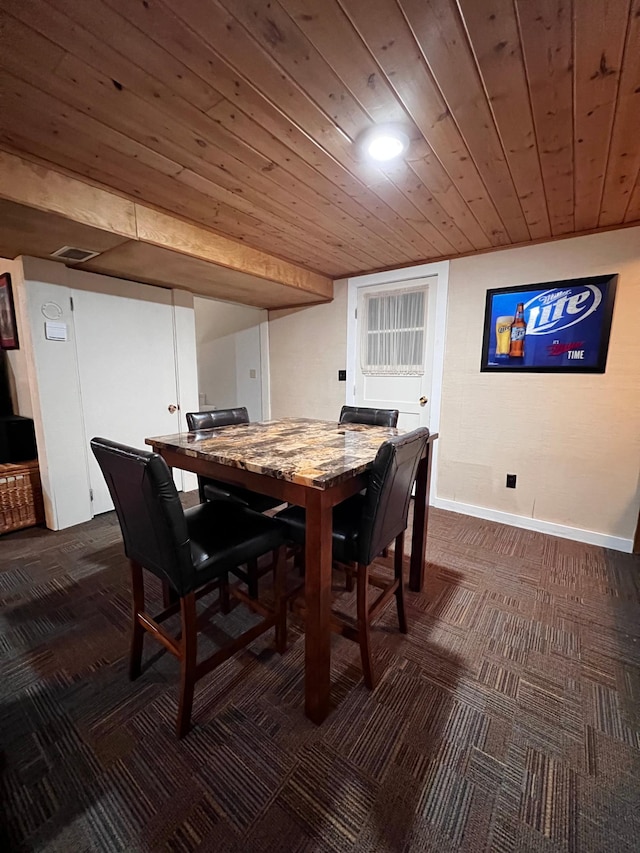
x: 43, y: 189
x: 52, y: 192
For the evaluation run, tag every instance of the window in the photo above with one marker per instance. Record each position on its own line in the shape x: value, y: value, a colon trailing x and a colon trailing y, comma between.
x: 393, y: 332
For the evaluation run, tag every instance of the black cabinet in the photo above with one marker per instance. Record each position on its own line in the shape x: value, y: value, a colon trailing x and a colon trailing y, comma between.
x: 17, y: 439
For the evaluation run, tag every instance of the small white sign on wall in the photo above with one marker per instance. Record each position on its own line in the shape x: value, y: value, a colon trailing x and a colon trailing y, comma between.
x: 55, y: 331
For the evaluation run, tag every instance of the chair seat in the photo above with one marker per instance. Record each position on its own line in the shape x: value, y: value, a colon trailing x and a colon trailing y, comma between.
x: 345, y: 527
x: 226, y: 535
x: 215, y: 490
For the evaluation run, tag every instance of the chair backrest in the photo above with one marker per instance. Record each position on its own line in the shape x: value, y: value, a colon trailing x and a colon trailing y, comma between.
x: 217, y: 418
x: 151, y: 517
x: 373, y: 417
x: 388, y: 493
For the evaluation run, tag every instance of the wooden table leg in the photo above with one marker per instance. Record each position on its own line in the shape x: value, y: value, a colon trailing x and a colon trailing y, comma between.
x: 417, y: 564
x: 317, y: 676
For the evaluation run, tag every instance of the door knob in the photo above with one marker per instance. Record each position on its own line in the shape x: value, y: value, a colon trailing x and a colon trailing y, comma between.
x: 172, y: 408
x: 423, y: 401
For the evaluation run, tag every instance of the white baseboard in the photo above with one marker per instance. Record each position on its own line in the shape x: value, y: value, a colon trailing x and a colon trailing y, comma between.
x: 617, y: 543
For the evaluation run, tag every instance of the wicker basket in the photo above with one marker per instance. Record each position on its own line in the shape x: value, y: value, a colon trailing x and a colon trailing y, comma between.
x: 20, y: 496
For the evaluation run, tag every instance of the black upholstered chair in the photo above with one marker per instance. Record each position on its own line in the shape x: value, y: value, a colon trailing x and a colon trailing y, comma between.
x: 216, y: 489
x: 373, y: 417
x: 192, y: 552
x: 217, y: 418
x: 363, y: 526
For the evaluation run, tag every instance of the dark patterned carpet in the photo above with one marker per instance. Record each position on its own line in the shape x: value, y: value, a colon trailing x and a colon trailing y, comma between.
x: 507, y: 720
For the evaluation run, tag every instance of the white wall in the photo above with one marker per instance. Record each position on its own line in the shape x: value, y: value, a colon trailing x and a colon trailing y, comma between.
x: 573, y: 440
x: 54, y: 389
x: 53, y: 380
x: 228, y: 340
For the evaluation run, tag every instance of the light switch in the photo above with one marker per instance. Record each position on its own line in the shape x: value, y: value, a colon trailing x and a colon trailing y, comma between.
x: 55, y: 331
x: 252, y: 374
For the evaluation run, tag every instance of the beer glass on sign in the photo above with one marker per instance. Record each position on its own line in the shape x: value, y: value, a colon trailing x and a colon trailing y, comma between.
x: 518, y: 327
x: 503, y: 336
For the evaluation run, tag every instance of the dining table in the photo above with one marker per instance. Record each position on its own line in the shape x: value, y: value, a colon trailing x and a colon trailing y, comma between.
x: 314, y: 464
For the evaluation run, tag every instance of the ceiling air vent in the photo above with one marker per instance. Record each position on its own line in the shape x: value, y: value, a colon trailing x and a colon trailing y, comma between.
x: 73, y: 255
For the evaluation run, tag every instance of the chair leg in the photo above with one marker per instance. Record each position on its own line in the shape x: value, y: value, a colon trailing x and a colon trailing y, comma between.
x: 188, y: 658
x: 348, y: 584
x: 280, y: 602
x: 137, y: 633
x: 298, y: 560
x: 364, y: 632
x: 169, y: 595
x: 224, y: 594
x: 397, y: 566
x: 252, y: 580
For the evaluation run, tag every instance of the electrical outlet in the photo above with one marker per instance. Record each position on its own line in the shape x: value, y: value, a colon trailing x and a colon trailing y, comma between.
x: 511, y: 481
x: 342, y: 376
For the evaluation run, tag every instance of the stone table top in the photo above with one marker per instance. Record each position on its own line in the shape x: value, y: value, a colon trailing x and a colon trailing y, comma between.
x: 313, y: 453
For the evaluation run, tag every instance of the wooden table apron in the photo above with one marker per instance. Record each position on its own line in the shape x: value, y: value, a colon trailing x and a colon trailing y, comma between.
x: 318, y: 503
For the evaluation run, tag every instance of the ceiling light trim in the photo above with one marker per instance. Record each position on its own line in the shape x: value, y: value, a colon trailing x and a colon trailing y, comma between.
x: 384, y: 143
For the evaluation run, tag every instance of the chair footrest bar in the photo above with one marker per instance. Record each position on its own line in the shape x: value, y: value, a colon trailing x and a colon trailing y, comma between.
x: 381, y: 602
x: 157, y: 631
x: 380, y: 583
x: 169, y: 611
x: 234, y: 646
x: 251, y: 603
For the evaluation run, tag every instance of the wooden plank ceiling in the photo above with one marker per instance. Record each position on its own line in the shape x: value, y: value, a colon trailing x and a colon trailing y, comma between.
x: 243, y: 116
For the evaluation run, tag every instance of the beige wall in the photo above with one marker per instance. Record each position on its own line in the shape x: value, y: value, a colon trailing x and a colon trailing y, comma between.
x: 572, y: 440
x: 307, y: 347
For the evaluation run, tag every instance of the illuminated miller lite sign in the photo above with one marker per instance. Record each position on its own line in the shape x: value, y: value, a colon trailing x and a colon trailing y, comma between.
x: 549, y: 326
x: 557, y: 309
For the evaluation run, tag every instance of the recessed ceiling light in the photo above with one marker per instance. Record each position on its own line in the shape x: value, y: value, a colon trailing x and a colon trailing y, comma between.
x: 385, y: 143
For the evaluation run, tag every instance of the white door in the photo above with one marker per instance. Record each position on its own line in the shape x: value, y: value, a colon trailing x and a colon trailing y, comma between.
x: 395, y: 348
x: 126, y: 362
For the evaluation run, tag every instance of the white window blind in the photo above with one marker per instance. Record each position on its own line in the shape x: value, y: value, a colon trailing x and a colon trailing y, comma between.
x: 393, y: 332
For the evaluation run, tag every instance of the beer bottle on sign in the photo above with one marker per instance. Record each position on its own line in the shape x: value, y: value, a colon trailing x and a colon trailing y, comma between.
x: 517, y: 333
